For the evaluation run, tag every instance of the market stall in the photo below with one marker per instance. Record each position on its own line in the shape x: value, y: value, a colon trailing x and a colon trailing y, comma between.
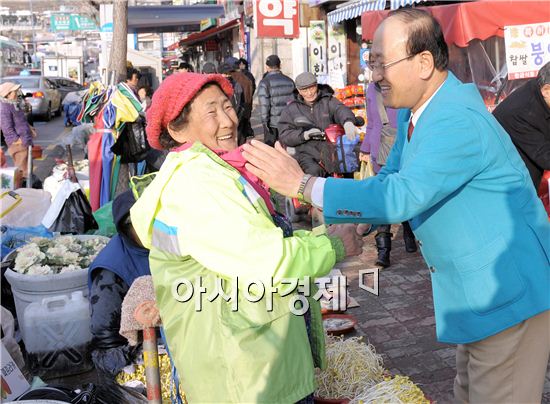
x: 475, y: 32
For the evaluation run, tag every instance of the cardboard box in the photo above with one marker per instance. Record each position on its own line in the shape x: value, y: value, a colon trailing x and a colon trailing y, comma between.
x: 13, y: 383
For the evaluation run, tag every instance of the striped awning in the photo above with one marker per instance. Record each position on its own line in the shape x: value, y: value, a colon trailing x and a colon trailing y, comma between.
x: 353, y: 9
x: 395, y: 4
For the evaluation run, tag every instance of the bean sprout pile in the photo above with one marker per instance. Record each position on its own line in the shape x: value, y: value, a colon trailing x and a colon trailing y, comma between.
x: 399, y: 390
x: 351, y: 365
x: 355, y: 371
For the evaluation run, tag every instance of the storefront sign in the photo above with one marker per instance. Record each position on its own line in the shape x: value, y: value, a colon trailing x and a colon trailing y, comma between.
x: 60, y: 22
x: 336, y: 54
x: 318, y: 50
x: 527, y: 49
x: 277, y: 19
x: 71, y: 22
x: 364, y: 54
x: 208, y: 23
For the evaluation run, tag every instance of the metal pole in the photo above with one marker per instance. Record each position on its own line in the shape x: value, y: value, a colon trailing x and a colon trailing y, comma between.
x: 29, y: 167
x: 32, y: 27
x: 151, y: 362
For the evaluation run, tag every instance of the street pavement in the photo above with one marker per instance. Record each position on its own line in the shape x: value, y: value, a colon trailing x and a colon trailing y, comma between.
x: 50, y: 138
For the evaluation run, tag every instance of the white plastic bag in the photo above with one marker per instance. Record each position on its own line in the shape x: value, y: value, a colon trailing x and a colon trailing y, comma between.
x: 29, y: 212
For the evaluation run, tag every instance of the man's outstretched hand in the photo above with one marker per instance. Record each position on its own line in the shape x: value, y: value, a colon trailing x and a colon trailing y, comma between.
x: 274, y: 166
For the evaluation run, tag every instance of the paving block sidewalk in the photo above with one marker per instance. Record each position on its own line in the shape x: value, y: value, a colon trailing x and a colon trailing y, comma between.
x: 400, y: 322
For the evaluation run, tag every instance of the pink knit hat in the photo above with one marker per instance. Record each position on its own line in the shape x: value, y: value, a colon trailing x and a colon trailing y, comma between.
x: 172, y: 96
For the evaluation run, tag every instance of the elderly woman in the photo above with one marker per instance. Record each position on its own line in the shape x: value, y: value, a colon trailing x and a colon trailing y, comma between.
x: 212, y: 230
x: 13, y: 123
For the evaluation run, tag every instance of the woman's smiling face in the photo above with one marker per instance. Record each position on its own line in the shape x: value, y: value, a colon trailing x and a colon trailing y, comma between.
x: 212, y: 121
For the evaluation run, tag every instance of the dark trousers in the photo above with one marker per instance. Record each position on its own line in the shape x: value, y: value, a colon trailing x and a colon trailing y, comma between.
x: 386, y: 228
x: 271, y: 135
x: 244, y: 130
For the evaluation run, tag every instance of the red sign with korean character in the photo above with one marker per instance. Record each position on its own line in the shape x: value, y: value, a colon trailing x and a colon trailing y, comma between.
x: 277, y: 18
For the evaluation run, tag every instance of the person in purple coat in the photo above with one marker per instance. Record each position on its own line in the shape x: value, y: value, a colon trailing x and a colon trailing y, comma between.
x: 15, y: 128
x: 369, y: 149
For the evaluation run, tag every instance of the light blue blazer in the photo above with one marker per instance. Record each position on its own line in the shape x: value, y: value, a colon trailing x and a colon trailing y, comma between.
x: 482, y: 230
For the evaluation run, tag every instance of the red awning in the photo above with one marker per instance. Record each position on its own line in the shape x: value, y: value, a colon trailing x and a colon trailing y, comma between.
x: 168, y: 59
x: 174, y: 46
x: 202, y: 36
x: 463, y: 22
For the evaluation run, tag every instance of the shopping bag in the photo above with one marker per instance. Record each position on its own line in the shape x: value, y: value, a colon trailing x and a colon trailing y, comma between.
x: 104, y: 219
x: 366, y: 170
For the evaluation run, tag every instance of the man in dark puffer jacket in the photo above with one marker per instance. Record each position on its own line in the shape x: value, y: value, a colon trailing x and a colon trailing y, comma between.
x: 274, y: 92
x: 315, y: 102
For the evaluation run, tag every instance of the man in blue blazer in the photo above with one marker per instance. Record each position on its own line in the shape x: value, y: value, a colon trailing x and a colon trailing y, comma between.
x: 456, y: 176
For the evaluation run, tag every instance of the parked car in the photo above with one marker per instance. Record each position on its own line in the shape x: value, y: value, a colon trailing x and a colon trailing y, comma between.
x: 66, y: 86
x: 41, y: 93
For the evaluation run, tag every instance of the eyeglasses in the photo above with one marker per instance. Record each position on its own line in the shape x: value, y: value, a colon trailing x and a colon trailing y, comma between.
x: 378, y: 66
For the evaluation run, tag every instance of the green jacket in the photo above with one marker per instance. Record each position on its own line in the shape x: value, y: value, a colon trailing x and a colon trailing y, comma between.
x: 201, y: 219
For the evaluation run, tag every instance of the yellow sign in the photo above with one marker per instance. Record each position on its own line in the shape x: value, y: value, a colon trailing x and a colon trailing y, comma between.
x: 208, y: 23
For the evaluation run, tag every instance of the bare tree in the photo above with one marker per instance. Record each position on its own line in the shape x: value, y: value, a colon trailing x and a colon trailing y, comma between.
x: 117, y: 59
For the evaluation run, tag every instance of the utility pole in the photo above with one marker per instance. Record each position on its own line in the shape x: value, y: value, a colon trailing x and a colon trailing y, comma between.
x: 32, y: 27
x: 119, y: 45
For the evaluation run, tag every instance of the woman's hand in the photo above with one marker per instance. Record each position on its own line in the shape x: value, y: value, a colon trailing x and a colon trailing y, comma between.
x: 353, y: 242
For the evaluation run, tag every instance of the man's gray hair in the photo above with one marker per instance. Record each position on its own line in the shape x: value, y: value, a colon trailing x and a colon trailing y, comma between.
x: 544, y: 75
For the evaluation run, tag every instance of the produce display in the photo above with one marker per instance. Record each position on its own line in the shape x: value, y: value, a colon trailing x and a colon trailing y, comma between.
x: 351, y: 366
x: 48, y: 256
x: 355, y: 372
x: 396, y: 390
x: 337, y: 324
x: 136, y: 373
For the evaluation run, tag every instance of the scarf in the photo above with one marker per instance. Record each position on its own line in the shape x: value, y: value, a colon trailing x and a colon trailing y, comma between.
x: 18, y: 103
x: 236, y: 160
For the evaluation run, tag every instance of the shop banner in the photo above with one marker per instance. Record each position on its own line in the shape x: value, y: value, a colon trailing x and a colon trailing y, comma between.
x: 71, y: 22
x: 277, y: 19
x: 527, y: 49
x: 60, y: 22
x: 317, y: 40
x: 336, y: 54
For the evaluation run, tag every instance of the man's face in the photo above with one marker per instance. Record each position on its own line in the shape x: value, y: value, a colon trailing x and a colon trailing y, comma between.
x: 309, y: 93
x: 400, y: 84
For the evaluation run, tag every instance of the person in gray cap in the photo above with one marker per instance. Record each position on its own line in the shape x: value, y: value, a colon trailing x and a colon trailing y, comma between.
x: 274, y: 92
x: 317, y: 103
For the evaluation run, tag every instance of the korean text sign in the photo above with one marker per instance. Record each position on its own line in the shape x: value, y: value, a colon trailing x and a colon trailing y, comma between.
x: 277, y: 19
x: 527, y: 49
x: 318, y: 50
